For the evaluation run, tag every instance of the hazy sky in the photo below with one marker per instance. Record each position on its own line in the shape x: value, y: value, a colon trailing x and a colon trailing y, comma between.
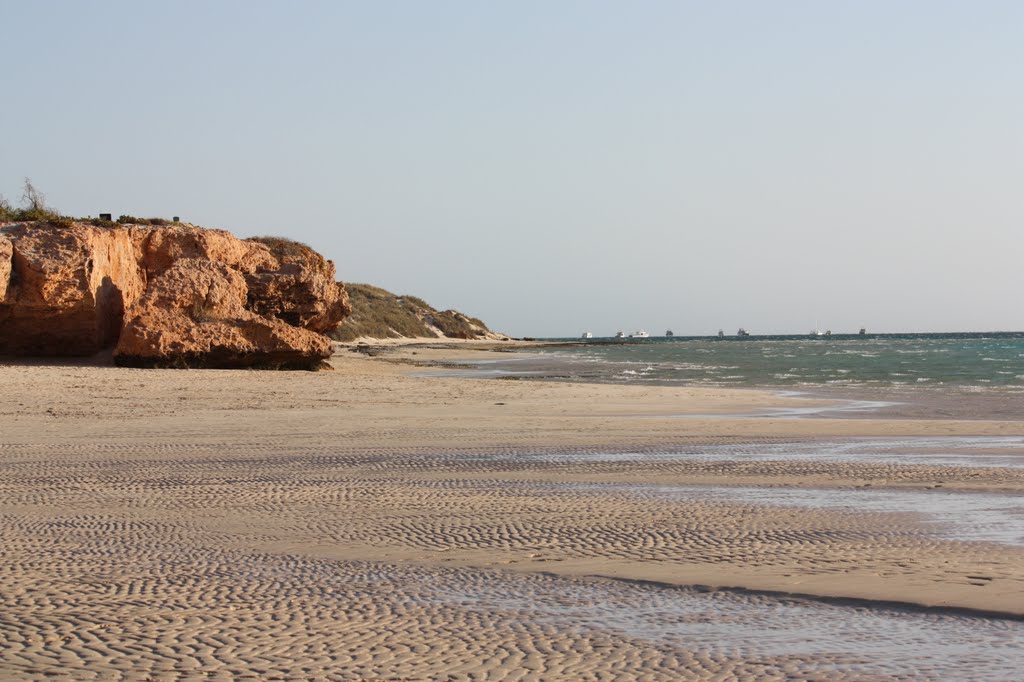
x: 556, y: 166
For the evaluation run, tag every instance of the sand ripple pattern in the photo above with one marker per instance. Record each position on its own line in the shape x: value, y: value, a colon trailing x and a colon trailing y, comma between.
x: 214, y: 614
x: 238, y: 561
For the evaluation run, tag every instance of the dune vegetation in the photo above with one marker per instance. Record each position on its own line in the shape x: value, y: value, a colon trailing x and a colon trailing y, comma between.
x: 380, y: 314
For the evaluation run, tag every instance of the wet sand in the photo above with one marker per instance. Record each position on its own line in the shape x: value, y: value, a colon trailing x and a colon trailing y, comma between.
x: 370, y: 523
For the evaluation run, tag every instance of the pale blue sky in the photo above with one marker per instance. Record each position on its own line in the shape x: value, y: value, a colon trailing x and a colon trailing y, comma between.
x: 554, y: 167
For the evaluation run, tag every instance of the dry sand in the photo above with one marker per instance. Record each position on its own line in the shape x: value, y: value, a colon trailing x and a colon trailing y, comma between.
x: 372, y: 523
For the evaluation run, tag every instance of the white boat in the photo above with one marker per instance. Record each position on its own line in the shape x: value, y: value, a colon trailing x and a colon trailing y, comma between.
x: 619, y: 335
x: 639, y: 334
x: 587, y: 335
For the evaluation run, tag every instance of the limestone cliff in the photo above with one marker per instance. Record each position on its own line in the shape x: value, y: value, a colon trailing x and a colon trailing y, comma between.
x: 6, y: 255
x: 194, y: 315
x: 67, y: 288
x: 174, y: 296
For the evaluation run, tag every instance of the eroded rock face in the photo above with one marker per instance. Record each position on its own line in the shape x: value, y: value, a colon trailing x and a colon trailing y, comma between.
x: 6, y: 254
x: 173, y: 295
x: 159, y: 248
x: 67, y: 288
x: 194, y: 315
x: 301, y: 290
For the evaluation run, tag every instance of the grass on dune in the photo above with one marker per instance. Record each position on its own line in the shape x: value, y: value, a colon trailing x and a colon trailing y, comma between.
x: 380, y: 314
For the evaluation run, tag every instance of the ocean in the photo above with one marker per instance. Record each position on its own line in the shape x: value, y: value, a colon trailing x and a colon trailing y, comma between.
x: 968, y: 361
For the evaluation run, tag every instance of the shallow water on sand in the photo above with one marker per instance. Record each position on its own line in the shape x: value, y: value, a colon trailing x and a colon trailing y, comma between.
x: 967, y: 451
x: 966, y: 517
x: 848, y: 638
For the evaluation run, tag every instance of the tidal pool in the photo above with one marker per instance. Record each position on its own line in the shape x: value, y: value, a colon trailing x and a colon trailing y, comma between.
x: 967, y: 451
x: 810, y: 637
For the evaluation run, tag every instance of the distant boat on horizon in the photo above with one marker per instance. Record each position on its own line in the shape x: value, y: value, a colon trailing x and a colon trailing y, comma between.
x: 821, y: 334
x: 669, y: 333
x: 742, y: 332
x: 619, y: 335
x: 587, y: 335
x: 639, y: 334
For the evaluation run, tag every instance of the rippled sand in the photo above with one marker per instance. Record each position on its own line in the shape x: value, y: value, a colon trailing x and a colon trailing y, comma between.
x: 238, y: 615
x: 369, y: 524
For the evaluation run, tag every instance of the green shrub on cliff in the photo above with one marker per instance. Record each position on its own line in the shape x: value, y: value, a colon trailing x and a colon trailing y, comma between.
x: 28, y: 215
x: 33, y: 208
x: 284, y: 247
x: 132, y: 220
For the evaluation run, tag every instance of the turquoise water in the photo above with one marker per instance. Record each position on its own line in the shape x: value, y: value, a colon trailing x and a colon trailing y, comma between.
x: 963, y: 360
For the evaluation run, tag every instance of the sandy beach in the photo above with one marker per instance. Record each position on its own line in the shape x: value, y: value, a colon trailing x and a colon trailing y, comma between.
x: 373, y: 522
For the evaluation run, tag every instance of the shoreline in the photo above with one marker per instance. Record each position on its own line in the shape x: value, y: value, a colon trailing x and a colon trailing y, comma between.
x: 852, y: 401
x: 122, y: 473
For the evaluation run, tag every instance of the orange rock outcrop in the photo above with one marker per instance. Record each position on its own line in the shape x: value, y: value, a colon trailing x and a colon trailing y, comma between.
x: 301, y: 290
x: 194, y: 315
x: 168, y: 296
x: 6, y: 254
x: 67, y: 288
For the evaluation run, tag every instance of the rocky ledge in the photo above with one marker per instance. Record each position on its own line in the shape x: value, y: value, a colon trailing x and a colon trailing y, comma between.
x: 165, y: 296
